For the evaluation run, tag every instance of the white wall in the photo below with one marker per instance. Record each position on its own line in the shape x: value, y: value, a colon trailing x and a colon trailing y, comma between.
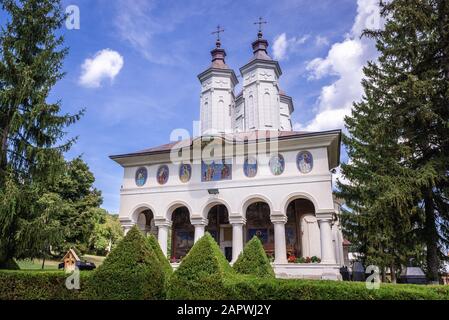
x: 277, y: 190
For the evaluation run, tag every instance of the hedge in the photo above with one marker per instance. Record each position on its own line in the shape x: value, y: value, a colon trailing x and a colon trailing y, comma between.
x: 131, y: 271
x: 252, y: 288
x: 39, y: 285
x: 166, y: 266
x: 254, y: 261
x: 201, y: 274
x: 50, y: 285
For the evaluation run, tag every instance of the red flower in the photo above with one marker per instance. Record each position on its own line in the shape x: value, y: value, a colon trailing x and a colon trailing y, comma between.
x: 292, y: 259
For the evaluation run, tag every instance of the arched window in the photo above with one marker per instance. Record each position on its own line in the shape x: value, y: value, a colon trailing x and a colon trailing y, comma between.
x: 206, y: 116
x: 222, y: 112
x: 251, y: 120
x: 267, y: 109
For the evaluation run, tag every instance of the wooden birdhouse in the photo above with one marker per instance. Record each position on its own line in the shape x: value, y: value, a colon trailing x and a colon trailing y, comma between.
x: 70, y: 261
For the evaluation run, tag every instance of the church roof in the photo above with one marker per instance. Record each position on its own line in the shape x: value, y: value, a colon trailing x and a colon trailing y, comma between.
x: 240, y: 137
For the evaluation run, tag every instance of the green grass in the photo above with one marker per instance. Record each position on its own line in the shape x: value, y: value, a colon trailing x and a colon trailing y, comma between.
x: 36, y: 264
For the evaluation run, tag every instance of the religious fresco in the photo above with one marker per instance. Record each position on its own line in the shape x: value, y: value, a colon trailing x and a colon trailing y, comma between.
x: 304, y: 161
x: 162, y: 174
x: 141, y: 177
x: 277, y: 164
x: 185, y: 172
x: 262, y: 234
x: 216, y: 170
x: 250, y: 167
x: 259, y: 224
x: 183, y: 234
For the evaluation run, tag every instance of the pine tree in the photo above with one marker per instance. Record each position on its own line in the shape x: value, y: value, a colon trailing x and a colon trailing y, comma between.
x: 399, y: 133
x: 31, y: 129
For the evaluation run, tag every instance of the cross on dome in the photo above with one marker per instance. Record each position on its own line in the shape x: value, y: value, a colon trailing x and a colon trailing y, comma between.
x: 219, y: 30
x: 260, y: 23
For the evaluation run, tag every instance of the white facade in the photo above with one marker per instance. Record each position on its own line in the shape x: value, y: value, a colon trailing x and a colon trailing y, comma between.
x: 260, y: 112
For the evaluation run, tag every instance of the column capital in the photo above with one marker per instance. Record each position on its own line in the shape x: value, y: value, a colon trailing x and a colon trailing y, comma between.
x: 199, y: 221
x: 162, y: 222
x: 126, y: 223
x: 279, y: 218
x: 327, y: 216
x: 237, y: 220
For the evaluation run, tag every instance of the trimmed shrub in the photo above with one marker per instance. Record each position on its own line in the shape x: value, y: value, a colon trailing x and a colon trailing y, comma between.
x: 9, y: 264
x: 39, y: 285
x: 254, y: 261
x: 166, y: 266
x: 252, y: 288
x: 201, y: 274
x: 131, y: 271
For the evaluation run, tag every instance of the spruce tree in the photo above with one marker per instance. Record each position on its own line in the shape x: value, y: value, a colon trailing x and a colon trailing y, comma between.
x: 398, y: 139
x: 32, y: 129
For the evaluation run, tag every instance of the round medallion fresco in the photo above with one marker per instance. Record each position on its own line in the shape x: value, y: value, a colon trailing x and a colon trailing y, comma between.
x: 304, y: 161
x: 277, y: 164
x: 141, y: 176
x: 250, y: 167
x: 185, y: 172
x: 162, y: 174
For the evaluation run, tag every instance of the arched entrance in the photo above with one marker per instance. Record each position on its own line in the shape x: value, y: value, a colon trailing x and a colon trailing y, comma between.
x: 258, y: 223
x: 183, y: 234
x: 302, y: 232
x: 145, y: 222
x: 220, y: 229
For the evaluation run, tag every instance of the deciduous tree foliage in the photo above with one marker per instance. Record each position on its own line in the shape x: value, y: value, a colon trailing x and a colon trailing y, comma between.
x: 398, y: 140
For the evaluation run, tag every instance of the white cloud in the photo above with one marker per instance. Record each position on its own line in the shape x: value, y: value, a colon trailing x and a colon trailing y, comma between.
x: 282, y: 45
x: 345, y: 60
x: 321, y: 41
x: 105, y: 64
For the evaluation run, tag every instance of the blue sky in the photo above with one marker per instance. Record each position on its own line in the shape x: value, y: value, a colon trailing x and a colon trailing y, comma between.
x: 133, y: 65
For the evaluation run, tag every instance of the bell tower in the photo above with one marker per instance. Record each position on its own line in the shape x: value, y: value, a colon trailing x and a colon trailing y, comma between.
x: 217, y: 93
x: 261, y: 93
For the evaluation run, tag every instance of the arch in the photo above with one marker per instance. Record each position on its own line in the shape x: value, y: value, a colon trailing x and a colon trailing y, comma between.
x: 137, y: 210
x: 212, y: 203
x: 254, y: 199
x: 175, y: 205
x: 296, y: 196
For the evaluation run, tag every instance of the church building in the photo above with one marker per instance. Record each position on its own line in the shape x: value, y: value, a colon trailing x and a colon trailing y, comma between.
x: 248, y: 174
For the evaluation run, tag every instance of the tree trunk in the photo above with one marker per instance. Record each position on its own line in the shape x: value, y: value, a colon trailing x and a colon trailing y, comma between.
x: 3, y: 151
x: 393, y: 274
x: 431, y: 238
x: 43, y: 263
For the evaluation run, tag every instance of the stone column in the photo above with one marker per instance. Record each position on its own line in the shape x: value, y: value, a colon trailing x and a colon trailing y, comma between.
x: 237, y: 223
x: 200, y: 224
x: 163, y: 226
x: 280, y: 246
x: 127, y: 224
x: 327, y: 248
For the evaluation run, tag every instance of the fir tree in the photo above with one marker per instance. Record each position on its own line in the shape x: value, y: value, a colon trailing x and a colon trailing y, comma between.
x: 398, y: 139
x: 31, y: 128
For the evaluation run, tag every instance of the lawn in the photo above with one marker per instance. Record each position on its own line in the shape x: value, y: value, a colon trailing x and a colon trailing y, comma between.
x: 36, y: 264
